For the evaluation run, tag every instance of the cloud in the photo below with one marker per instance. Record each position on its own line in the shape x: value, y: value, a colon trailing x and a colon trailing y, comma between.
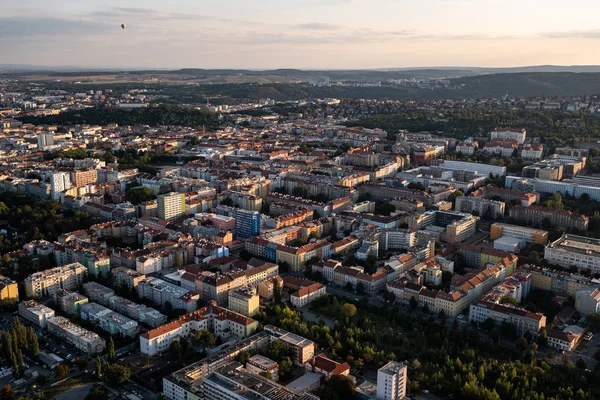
x: 589, y: 34
x: 16, y: 27
x: 317, y: 26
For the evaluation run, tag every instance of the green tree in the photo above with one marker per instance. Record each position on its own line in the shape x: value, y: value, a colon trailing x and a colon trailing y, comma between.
x: 97, y: 393
x: 204, y: 339
x: 41, y: 379
x: 339, y: 387
x: 360, y: 288
x: 581, y: 364
x: 110, y: 350
x: 99, y: 366
x: 176, y: 349
x: 347, y: 310
x: 276, y: 291
x: 413, y: 303
x: 33, y: 344
x: 488, y: 324
x: 81, y: 362
x: 285, y: 367
x: 509, y: 300
x: 117, y: 374
x: 137, y: 195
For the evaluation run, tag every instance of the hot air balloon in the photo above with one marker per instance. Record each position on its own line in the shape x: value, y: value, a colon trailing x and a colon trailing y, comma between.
x: 123, y: 26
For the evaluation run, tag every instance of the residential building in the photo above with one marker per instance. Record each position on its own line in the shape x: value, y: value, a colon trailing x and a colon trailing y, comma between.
x: 557, y: 281
x: 304, y: 349
x: 220, y: 321
x: 535, y: 215
x: 392, y: 379
x: 247, y: 224
x: 244, y: 301
x: 306, y: 295
x: 161, y: 292
x: 480, y: 206
x: 448, y: 226
x: 108, y: 320
x: 98, y: 293
x: 532, y: 151
x: 50, y: 281
x: 327, y: 366
x: 171, y: 205
x: 84, y: 177
x: 137, y: 312
x: 86, y: 341
x: 9, y: 290
x: 261, y: 365
x: 127, y: 276
x: 566, y: 339
x: 575, y: 251
x: 35, y: 313
x: 587, y: 300
x: 70, y: 302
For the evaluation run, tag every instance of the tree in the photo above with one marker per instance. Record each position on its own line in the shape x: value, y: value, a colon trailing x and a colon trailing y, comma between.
x: 581, y: 364
x: 110, y: 350
x: 522, y: 344
x: 7, y: 393
x: 442, y: 314
x: 176, y: 349
x: 495, y: 335
x: 339, y: 387
x: 413, y: 303
x: 137, y: 195
x: 204, y: 339
x: 285, y: 367
x: 117, y: 374
x: 61, y: 371
x: 360, y: 288
x: 41, y: 379
x: 81, y: 362
x: 347, y: 310
x: 99, y: 369
x: 508, y: 329
x: 243, y: 357
x: 509, y: 300
x: 348, y: 286
x: 97, y: 393
x: 32, y: 343
x: 488, y: 324
x: 276, y: 291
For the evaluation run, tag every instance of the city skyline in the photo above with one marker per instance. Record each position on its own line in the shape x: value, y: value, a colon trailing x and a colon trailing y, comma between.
x: 310, y: 34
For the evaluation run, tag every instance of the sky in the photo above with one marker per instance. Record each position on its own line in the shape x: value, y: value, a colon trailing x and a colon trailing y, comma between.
x: 309, y: 34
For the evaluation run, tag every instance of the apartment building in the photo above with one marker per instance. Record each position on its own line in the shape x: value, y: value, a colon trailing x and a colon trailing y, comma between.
x: 171, y: 205
x: 247, y: 224
x: 35, y: 313
x: 307, y: 294
x: 527, y: 235
x: 86, y: 341
x: 574, y: 187
x: 480, y: 206
x: 532, y: 151
x: 535, y: 215
x: 447, y: 226
x: 70, y: 302
x: 98, y: 293
x: 9, y: 290
x: 328, y: 367
x: 502, y: 147
x: 392, y: 379
x: 50, y: 281
x: 587, y: 300
x: 219, y: 321
x: 108, y: 320
x: 259, y: 365
x: 126, y: 276
x: 244, y: 301
x: 480, y: 256
x: 82, y: 177
x: 578, y: 251
x: 161, y: 292
x: 566, y: 339
x: 304, y: 349
x: 557, y: 281
x: 524, y: 198
x: 137, y: 312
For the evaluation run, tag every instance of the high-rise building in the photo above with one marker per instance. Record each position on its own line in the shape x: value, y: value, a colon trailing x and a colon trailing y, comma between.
x: 59, y: 182
x: 45, y: 139
x: 171, y: 205
x: 247, y: 224
x: 391, y: 381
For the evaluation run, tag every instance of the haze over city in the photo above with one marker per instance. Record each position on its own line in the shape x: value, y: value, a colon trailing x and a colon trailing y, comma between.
x: 349, y: 34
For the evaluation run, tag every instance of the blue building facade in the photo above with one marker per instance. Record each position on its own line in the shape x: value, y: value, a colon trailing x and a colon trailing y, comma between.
x: 247, y: 224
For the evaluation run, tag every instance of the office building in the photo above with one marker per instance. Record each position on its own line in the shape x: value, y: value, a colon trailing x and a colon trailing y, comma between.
x: 575, y: 251
x: 447, y: 226
x: 260, y: 365
x: 50, y: 281
x: 391, y: 381
x: 247, y: 224
x: 171, y: 205
x: 527, y: 235
x: 481, y: 169
x: 45, y: 139
x: 503, y: 133
x: 572, y: 187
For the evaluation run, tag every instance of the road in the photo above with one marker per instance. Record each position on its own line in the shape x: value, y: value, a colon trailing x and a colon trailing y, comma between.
x: 76, y: 393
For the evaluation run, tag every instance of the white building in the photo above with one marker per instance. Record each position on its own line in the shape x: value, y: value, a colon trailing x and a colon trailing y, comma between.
x: 501, y: 133
x: 45, y: 139
x: 50, y: 281
x: 571, y: 250
x: 171, y: 205
x: 59, y: 182
x: 587, y: 300
x: 479, y: 206
x: 35, y: 313
x: 482, y: 169
x: 532, y: 151
x: 391, y: 381
x: 306, y: 295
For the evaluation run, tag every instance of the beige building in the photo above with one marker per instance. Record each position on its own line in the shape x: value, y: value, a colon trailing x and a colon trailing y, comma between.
x: 9, y: 290
x: 50, y: 281
x: 171, y: 206
x: 245, y: 302
x: 82, y: 178
x: 529, y: 235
